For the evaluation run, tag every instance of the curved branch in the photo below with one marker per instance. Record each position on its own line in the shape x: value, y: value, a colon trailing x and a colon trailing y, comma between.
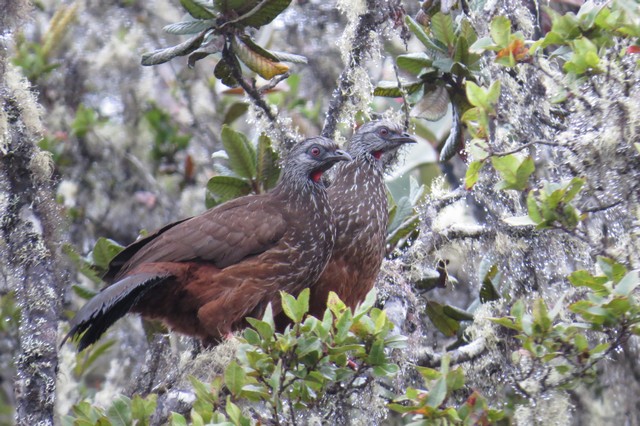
x: 372, y: 20
x: 426, y: 357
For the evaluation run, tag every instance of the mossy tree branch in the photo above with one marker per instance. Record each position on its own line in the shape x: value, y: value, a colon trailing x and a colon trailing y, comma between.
x: 29, y: 237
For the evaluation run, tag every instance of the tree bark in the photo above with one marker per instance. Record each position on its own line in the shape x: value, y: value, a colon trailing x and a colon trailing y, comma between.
x: 29, y: 237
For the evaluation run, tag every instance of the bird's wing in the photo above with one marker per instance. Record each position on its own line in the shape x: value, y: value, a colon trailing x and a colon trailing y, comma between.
x: 223, y: 236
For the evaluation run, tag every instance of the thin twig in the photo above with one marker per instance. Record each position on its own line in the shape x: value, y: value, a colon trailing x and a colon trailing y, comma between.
x: 256, y: 97
x: 274, y: 82
x: 527, y: 145
x: 405, y: 105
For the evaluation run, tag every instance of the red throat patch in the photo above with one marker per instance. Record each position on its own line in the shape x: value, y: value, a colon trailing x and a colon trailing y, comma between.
x: 377, y: 154
x: 315, y: 176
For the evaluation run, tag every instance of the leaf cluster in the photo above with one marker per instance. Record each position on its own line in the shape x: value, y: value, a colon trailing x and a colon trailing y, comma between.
x: 551, y: 337
x: 441, y: 71
x: 482, y: 108
x: 251, y: 169
x: 581, y: 38
x: 293, y: 370
x: 551, y: 206
x: 123, y: 411
x: 220, y: 26
x: 510, y: 47
x: 428, y: 406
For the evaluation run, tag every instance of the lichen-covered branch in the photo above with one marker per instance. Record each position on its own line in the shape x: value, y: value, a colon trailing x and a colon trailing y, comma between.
x: 371, y: 21
x: 29, y: 242
x: 427, y: 358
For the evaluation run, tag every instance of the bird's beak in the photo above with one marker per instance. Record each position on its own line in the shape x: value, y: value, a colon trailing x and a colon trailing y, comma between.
x: 402, y: 139
x: 340, y: 155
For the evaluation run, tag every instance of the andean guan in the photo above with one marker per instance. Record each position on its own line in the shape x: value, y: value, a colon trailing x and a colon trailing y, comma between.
x: 204, y: 275
x: 358, y: 198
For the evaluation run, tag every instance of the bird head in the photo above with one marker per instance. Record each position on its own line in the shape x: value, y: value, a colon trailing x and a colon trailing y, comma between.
x: 380, y: 140
x: 312, y: 157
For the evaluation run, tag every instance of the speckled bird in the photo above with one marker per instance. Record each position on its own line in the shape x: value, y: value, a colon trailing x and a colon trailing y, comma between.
x: 204, y: 275
x: 359, y: 201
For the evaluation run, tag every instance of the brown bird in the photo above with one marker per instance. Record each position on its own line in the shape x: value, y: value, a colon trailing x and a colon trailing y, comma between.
x: 358, y: 198
x: 204, y: 275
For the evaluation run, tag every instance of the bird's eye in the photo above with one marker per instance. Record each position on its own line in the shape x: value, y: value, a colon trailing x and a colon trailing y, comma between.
x: 315, y: 151
x: 383, y: 131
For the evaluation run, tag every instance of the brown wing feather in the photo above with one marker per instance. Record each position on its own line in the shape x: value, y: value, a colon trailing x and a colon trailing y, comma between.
x: 223, y: 236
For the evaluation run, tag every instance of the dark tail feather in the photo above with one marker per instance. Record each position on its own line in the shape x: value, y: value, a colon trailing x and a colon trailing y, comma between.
x: 108, y: 306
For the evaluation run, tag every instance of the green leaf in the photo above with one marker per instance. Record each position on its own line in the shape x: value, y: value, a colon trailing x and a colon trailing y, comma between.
x: 390, y: 89
x: 506, y: 322
x: 233, y: 411
x: 442, y: 29
x: 417, y: 30
x: 493, y: 93
x: 457, y: 313
x: 234, y: 378
x: 433, y: 105
x: 197, y: 10
x: 119, y: 414
x: 482, y: 44
x: 488, y: 291
x: 532, y: 208
x: 583, y: 278
x: 250, y: 335
x: 376, y: 354
x: 437, y: 393
x: 189, y: 27
x: 573, y: 188
x: 224, y: 188
x: 235, y: 111
x: 343, y: 324
x: 627, y: 284
x: 507, y: 166
x: 584, y: 57
x: 541, y: 316
x: 267, y: 161
x: 265, y: 328
x: 161, y: 56
x: 295, y: 309
x: 447, y: 325
x: 414, y: 62
x: 257, y: 59
x: 242, y: 155
x: 265, y: 12
x: 178, y: 419
x: 94, y: 353
x: 366, y: 305
x: 224, y: 73
x: 397, y: 341
x: 103, y: 251
x: 288, y: 57
x: 473, y: 174
x: 477, y: 96
x: 501, y: 31
x: 143, y: 408
x: 455, y: 379
x: 526, y: 169
x: 386, y: 370
x: 612, y: 269
x: 461, y: 52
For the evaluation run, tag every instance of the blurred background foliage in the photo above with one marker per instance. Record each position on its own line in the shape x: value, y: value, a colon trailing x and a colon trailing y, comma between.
x: 136, y: 147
